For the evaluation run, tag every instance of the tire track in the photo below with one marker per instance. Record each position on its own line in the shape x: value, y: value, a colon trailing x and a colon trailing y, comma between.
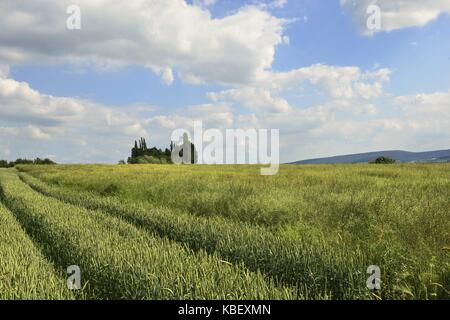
x: 25, y: 273
x: 122, y: 262
x: 300, y: 264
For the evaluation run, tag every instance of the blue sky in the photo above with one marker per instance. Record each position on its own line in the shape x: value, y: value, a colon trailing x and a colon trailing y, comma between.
x: 416, y: 53
x: 420, y: 58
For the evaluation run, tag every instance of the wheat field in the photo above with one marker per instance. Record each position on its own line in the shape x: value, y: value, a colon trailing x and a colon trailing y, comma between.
x: 225, y: 232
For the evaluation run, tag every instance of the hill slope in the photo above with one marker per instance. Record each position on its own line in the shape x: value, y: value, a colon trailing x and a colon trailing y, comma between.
x: 400, y: 156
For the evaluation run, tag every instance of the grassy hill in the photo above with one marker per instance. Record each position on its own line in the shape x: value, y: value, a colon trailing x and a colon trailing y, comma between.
x: 398, y: 155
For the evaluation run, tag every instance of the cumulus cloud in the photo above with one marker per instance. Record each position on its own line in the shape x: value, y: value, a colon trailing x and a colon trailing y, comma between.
x: 426, y: 106
x: 75, y: 130
x: 396, y: 14
x: 162, y: 35
x: 277, y: 4
x: 419, y: 121
x: 336, y: 81
x: 257, y: 99
x: 212, y: 115
x: 342, y: 85
x: 4, y: 71
x: 355, y: 116
x: 176, y: 40
x: 26, y: 115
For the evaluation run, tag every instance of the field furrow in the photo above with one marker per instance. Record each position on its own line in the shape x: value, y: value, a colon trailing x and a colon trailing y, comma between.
x: 315, y: 268
x: 119, y: 261
x: 24, y: 271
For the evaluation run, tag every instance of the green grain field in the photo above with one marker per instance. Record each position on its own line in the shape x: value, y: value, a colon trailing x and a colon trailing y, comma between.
x: 225, y: 232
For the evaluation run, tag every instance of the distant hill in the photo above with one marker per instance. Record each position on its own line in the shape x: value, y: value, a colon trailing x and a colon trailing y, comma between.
x: 400, y: 156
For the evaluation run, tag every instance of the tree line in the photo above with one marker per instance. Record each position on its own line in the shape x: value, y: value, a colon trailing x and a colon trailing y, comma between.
x: 10, y: 164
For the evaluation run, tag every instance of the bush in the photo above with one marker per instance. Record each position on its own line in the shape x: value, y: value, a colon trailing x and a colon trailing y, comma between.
x: 43, y: 161
x: 383, y: 160
x: 147, y: 160
x: 4, y: 164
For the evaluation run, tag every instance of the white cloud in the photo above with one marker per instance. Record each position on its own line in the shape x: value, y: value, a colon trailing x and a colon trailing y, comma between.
x: 37, y: 133
x: 161, y: 35
x: 257, y: 99
x: 348, y: 87
x: 432, y: 106
x: 35, y: 124
x: 172, y: 38
x: 278, y: 3
x: 421, y: 122
x: 4, y: 71
x: 396, y: 14
x: 28, y: 116
x: 336, y: 81
x: 356, y: 115
x: 218, y: 115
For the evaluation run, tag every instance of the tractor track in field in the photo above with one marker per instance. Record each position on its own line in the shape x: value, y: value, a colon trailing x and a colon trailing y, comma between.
x: 32, y: 232
x: 122, y: 278
x: 25, y: 271
x: 288, y: 270
x: 153, y: 229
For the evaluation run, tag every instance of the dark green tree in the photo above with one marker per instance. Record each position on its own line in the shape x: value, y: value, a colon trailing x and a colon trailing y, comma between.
x: 383, y: 160
x: 4, y: 164
x: 140, y: 153
x: 134, y: 151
